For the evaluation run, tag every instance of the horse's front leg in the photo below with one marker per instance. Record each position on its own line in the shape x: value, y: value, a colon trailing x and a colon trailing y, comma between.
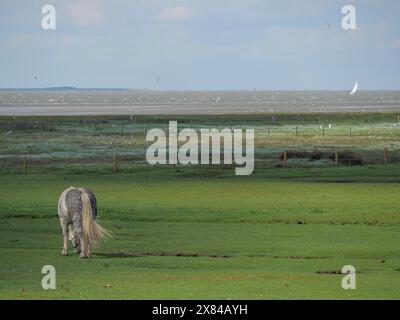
x: 65, y: 231
x: 84, y: 247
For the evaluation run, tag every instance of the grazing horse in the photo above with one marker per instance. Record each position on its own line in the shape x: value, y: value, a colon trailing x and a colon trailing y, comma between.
x: 77, y: 209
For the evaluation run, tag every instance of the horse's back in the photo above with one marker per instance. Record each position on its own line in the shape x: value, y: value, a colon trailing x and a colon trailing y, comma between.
x: 70, y: 202
x: 62, y: 203
x: 73, y: 200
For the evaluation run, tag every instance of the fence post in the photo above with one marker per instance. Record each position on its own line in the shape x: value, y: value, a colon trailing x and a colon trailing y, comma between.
x: 24, y: 161
x: 385, y: 155
x: 285, y: 157
x: 336, y: 157
x: 350, y: 132
x: 297, y: 131
x: 268, y: 130
x: 116, y: 163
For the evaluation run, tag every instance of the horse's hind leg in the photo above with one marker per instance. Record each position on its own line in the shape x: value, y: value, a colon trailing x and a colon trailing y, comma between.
x: 85, y: 247
x: 74, y: 238
x: 77, y: 224
x: 65, y: 231
x: 85, y: 250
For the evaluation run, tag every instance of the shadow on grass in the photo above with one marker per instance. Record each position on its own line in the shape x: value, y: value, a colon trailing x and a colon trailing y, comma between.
x: 111, y: 255
x: 122, y: 255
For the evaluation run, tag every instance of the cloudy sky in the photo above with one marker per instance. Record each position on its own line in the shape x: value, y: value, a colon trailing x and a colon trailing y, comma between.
x: 201, y: 44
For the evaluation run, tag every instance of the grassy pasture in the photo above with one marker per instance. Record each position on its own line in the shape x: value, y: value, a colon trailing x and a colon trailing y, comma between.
x: 89, y: 144
x: 175, y: 238
x: 199, y: 231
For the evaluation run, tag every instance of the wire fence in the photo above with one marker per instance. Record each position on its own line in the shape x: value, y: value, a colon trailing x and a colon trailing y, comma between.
x: 116, y: 162
x: 114, y: 157
x: 133, y: 127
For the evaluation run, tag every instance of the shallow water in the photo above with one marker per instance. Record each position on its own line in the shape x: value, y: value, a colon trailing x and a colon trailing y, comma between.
x: 76, y: 102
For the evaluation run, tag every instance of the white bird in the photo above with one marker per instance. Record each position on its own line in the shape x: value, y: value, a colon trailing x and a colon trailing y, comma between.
x: 8, y: 133
x: 218, y: 99
x: 330, y: 126
x: 355, y: 88
x: 321, y: 126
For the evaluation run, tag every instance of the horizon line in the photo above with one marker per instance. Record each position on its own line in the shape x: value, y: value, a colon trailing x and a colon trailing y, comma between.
x: 72, y: 88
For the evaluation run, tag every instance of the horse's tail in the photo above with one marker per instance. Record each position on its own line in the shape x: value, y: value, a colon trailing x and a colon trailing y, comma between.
x: 92, y: 231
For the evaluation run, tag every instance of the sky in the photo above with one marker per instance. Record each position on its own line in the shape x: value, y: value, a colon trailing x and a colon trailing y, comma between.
x: 200, y: 45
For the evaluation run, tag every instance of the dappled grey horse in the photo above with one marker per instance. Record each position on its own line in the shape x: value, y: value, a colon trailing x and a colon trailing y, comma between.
x: 77, y: 209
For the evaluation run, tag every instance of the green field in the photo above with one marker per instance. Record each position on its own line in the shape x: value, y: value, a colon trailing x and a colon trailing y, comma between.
x: 224, y: 238
x: 88, y: 144
x: 180, y: 232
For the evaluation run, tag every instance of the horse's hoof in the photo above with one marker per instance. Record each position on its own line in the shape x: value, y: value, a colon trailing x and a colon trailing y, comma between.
x: 83, y: 257
x: 64, y: 253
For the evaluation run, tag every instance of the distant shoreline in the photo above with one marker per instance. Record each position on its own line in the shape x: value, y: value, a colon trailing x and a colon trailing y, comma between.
x: 67, y: 89
x: 70, y: 89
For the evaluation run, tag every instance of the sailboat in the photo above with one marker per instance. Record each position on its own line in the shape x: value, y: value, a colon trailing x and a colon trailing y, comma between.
x: 355, y: 88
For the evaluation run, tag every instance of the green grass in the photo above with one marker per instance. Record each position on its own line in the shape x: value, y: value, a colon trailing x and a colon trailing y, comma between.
x: 77, y: 142
x: 182, y: 235
x: 198, y: 232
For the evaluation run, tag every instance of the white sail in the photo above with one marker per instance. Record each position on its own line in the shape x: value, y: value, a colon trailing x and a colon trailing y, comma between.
x: 355, y: 88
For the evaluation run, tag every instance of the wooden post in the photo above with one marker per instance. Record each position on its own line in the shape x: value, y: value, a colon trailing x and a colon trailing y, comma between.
x: 116, y: 163
x: 385, y: 155
x: 285, y: 157
x: 336, y: 157
x: 144, y: 130
x: 297, y: 131
x: 24, y: 164
x: 323, y: 131
x: 268, y: 130
x: 350, y: 132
